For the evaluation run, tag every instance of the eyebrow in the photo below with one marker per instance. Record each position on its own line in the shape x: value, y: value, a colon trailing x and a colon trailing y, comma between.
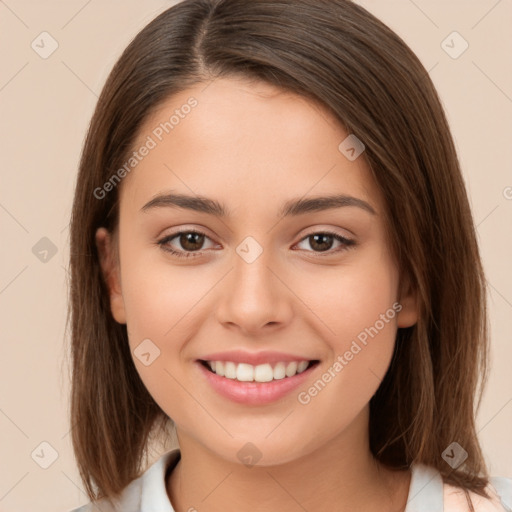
x: 291, y: 207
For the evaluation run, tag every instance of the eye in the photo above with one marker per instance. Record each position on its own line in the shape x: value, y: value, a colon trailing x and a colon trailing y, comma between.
x: 323, y: 241
x: 191, y: 242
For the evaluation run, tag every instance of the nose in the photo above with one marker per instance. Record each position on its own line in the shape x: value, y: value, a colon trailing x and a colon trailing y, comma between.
x: 254, y: 297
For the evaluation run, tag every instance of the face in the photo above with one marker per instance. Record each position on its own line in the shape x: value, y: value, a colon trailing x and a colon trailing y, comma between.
x: 277, y: 279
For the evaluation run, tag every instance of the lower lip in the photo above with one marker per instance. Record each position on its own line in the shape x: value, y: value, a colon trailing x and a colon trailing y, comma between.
x: 254, y: 393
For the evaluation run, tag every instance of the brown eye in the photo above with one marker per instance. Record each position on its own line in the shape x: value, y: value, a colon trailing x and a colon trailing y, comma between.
x: 185, y: 243
x: 321, y: 242
x: 324, y: 241
x: 191, y: 241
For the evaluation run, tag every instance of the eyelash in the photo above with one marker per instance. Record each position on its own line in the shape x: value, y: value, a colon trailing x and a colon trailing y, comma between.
x: 346, y: 243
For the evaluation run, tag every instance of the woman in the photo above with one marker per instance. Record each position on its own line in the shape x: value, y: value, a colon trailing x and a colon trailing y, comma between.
x: 272, y: 252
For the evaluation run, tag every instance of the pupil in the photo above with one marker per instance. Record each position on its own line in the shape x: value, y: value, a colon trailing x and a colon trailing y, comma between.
x: 322, y: 246
x: 188, y: 240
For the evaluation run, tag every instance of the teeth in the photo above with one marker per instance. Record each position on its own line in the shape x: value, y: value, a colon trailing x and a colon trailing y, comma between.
x: 302, y: 366
x: 230, y: 370
x: 244, y: 372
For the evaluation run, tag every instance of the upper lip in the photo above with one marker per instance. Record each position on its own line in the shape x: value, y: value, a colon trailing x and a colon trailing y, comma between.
x: 254, y: 358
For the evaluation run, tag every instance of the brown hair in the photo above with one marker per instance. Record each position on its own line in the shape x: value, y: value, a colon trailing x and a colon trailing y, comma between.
x: 337, y: 53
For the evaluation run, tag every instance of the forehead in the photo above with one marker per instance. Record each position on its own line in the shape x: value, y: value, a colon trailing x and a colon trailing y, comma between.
x: 241, y: 141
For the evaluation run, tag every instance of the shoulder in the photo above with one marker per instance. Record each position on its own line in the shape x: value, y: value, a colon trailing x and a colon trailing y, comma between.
x: 146, y: 493
x: 428, y: 493
x: 499, y: 490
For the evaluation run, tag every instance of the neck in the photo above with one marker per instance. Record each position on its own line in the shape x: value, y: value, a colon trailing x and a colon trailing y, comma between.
x: 342, y: 475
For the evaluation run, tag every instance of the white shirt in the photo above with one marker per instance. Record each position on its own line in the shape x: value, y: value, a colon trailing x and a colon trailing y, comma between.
x: 427, y: 493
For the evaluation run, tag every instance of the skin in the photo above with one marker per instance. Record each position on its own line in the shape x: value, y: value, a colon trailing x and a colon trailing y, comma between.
x: 252, y: 147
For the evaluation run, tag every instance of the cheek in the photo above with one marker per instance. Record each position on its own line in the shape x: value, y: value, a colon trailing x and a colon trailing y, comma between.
x: 362, y: 310
x: 161, y: 317
x: 163, y: 305
x: 158, y: 296
x: 358, y: 304
x: 351, y: 298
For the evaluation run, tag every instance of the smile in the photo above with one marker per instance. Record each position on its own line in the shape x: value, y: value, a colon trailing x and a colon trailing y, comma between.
x: 244, y: 372
x: 255, y: 385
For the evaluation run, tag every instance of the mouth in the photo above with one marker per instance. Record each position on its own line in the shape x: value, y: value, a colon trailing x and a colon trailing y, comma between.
x: 256, y: 385
x: 243, y: 372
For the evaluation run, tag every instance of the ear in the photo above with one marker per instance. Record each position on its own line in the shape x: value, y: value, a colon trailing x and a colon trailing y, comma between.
x: 110, y: 269
x: 408, y: 314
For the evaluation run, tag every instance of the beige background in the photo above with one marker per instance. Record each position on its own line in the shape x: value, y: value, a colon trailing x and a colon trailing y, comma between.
x: 46, y: 105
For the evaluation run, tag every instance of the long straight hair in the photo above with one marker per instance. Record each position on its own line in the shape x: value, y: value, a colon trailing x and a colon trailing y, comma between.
x: 337, y: 53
